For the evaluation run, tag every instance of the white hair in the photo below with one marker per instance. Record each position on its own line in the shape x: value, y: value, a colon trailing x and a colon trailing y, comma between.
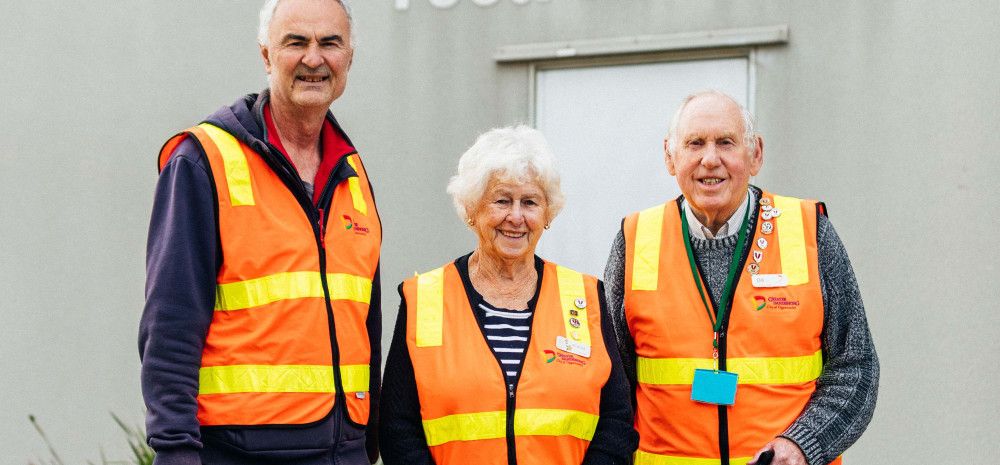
x: 749, y: 129
x: 517, y: 154
x: 267, y: 12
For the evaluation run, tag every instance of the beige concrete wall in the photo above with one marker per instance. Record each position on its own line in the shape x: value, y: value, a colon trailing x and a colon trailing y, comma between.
x: 886, y: 110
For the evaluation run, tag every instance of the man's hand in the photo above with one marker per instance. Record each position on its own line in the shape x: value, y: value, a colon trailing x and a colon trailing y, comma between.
x: 786, y: 452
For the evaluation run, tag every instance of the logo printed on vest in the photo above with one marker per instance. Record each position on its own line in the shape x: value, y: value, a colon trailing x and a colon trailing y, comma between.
x: 351, y: 224
x: 776, y: 303
x: 564, y: 358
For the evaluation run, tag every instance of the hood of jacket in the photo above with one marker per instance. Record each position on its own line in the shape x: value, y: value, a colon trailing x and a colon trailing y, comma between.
x: 244, y: 119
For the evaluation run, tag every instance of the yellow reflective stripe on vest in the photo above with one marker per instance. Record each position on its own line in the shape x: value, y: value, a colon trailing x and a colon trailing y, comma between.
x: 792, y: 240
x: 756, y: 370
x: 280, y: 378
x: 465, y: 427
x: 354, y: 184
x: 493, y: 425
x: 646, y: 259
x: 648, y: 458
x: 553, y: 422
x: 669, y: 370
x: 292, y: 285
x: 349, y: 287
x: 570, y: 291
x: 355, y: 378
x: 235, y: 164
x: 430, y: 308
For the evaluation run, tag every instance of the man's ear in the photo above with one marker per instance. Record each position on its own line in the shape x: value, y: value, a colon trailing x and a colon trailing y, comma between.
x: 757, y: 156
x: 265, y: 54
x: 668, y: 159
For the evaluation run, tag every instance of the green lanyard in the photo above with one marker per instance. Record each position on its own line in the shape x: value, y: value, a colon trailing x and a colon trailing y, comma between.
x: 727, y: 291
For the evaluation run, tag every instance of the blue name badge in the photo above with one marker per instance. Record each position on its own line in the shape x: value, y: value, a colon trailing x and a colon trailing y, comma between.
x: 714, y: 387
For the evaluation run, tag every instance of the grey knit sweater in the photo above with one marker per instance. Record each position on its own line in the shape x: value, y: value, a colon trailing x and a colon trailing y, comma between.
x: 842, y: 406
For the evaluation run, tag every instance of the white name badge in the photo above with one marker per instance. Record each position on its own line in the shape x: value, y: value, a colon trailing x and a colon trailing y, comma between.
x: 769, y: 280
x: 572, y: 347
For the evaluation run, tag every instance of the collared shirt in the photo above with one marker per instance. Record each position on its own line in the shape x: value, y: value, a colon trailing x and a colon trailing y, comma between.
x: 700, y: 231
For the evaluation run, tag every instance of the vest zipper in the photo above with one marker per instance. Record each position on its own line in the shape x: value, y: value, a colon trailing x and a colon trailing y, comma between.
x: 723, y: 413
x: 511, y: 403
x: 512, y: 387
x: 723, y: 342
x: 322, y: 232
x: 289, y: 176
x: 322, y: 218
x: 340, y: 402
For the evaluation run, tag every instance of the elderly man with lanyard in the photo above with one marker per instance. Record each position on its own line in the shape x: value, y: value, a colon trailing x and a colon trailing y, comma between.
x: 260, y: 336
x: 738, y: 316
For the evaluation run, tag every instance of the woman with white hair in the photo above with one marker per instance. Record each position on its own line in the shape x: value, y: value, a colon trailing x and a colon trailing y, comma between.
x: 500, y: 357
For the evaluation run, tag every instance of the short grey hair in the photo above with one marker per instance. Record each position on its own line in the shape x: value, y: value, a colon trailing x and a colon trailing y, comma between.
x: 515, y: 153
x: 267, y: 12
x: 749, y: 128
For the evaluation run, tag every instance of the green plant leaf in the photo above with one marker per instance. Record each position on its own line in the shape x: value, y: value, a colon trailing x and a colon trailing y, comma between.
x: 135, y: 437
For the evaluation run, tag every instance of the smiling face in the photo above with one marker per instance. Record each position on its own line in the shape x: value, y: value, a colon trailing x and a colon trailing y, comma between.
x: 510, y: 219
x: 308, y: 54
x: 711, y: 161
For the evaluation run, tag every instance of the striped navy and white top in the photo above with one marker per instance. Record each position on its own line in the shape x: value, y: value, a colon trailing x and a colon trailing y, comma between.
x: 507, y: 333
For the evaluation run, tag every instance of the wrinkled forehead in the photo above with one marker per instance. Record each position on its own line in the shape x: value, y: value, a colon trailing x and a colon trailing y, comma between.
x: 308, y: 18
x: 711, y: 115
x: 513, y: 183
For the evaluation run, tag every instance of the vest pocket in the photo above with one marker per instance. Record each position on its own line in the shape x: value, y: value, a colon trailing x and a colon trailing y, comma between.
x: 274, y: 444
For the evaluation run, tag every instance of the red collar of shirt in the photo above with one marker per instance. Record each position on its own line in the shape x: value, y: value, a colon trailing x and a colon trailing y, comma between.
x: 335, y: 147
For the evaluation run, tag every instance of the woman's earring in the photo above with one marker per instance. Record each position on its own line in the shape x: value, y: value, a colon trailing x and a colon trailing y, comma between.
x: 471, y: 223
x: 547, y: 225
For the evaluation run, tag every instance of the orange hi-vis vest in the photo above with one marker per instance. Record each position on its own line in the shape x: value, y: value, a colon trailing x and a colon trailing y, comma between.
x: 770, y: 339
x: 291, y: 299
x: 470, y: 415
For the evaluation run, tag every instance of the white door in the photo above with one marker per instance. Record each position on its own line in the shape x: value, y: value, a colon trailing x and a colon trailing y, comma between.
x: 606, y: 125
